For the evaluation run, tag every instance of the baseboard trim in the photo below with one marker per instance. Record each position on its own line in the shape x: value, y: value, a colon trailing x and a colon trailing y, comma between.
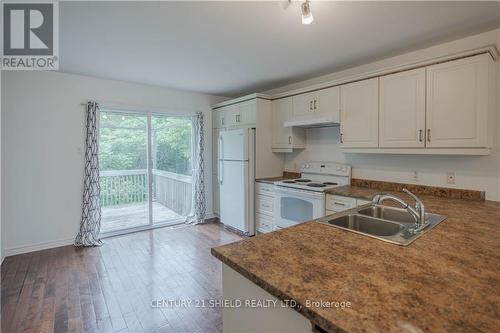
x: 37, y: 247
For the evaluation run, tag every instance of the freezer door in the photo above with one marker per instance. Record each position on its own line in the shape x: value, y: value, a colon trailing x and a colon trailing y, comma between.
x: 233, y: 145
x: 234, y: 195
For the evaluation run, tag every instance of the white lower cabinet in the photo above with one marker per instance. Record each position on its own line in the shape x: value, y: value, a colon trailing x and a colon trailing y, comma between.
x: 264, y: 207
x: 337, y: 203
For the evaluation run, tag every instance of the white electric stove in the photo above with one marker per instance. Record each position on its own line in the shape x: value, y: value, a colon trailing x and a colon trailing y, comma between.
x: 303, y: 199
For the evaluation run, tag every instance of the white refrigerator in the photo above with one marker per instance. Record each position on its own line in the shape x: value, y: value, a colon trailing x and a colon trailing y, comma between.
x: 236, y: 178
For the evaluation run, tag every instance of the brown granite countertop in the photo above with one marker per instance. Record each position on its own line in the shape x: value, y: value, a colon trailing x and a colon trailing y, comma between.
x: 286, y: 175
x: 446, y: 281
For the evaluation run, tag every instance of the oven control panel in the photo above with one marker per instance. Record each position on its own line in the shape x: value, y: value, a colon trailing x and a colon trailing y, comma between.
x: 327, y: 168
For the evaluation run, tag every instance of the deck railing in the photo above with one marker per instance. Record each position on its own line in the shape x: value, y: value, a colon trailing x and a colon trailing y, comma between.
x: 172, y: 190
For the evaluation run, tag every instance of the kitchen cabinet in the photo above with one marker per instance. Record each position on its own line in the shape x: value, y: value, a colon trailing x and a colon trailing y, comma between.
x: 285, y: 139
x: 303, y: 105
x: 241, y: 114
x: 218, y: 116
x: 338, y: 203
x: 402, y: 109
x: 447, y: 109
x: 458, y: 103
x: 264, y: 207
x: 322, y: 105
x: 359, y: 114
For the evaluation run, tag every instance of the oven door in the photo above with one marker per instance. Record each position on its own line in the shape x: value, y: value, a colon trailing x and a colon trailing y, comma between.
x: 294, y: 206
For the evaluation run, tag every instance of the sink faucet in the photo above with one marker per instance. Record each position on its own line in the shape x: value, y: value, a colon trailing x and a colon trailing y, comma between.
x: 418, y: 212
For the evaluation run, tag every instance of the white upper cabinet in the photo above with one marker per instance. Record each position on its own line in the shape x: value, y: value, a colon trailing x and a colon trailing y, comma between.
x: 285, y: 138
x: 457, y: 103
x: 240, y: 114
x: 218, y: 116
x: 402, y: 109
x: 359, y: 114
x: 247, y: 112
x: 303, y: 105
x: 328, y: 103
x: 319, y: 106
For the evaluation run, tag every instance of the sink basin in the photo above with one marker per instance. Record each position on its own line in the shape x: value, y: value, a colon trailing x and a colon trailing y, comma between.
x: 367, y: 225
x: 388, y: 213
x: 385, y: 223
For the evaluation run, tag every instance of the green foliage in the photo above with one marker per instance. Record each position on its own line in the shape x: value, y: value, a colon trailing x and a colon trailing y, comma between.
x: 172, y: 144
x: 123, y: 145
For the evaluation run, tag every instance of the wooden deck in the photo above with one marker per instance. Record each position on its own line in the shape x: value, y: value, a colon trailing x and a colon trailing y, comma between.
x: 134, y: 215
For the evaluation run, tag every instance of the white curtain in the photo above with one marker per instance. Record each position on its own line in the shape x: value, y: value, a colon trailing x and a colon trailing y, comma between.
x: 91, y: 212
x: 199, y: 198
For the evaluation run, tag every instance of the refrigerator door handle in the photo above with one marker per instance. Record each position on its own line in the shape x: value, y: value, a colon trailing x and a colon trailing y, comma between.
x: 221, y: 163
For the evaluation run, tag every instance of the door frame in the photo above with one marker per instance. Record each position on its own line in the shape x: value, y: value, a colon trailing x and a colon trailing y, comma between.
x: 149, y: 115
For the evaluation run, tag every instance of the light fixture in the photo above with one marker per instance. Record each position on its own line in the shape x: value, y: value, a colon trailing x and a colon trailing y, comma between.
x: 307, y: 16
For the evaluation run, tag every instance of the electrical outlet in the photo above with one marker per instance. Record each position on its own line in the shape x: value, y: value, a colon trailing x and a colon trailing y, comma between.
x: 415, y: 176
x: 450, y: 177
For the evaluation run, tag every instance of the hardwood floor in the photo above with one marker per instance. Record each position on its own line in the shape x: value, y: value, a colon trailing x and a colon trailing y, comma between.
x: 111, y: 288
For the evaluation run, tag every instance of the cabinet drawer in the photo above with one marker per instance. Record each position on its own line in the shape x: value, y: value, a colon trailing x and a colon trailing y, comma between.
x: 264, y: 205
x: 360, y: 202
x: 264, y: 223
x: 337, y: 203
x: 264, y: 189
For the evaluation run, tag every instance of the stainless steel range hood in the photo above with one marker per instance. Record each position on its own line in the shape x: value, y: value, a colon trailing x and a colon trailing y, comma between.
x: 313, y: 122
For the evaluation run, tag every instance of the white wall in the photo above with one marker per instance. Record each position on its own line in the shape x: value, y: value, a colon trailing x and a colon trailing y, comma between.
x: 472, y: 172
x: 43, y: 145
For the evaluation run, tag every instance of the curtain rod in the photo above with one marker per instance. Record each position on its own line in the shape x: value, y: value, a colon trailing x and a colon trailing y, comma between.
x: 142, y: 109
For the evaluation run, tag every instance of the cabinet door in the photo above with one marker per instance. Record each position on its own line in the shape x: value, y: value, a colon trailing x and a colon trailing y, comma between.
x: 359, y: 114
x: 327, y: 103
x: 402, y: 109
x: 218, y: 118
x: 282, y: 111
x: 457, y: 103
x: 246, y: 114
x: 231, y: 116
x: 303, y: 105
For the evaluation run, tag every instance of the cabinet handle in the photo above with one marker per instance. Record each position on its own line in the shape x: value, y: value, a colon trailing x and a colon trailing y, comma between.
x: 420, y: 135
x: 289, y: 139
x: 310, y: 105
x: 314, y: 104
x: 429, y: 135
x: 222, y: 120
x: 341, y: 138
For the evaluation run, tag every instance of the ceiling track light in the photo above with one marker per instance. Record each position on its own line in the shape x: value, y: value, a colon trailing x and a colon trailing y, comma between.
x: 307, y: 16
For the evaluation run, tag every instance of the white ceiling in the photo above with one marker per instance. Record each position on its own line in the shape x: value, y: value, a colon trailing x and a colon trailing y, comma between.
x: 234, y: 48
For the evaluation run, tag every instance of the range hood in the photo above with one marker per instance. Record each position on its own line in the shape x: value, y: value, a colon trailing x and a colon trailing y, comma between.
x: 324, y: 121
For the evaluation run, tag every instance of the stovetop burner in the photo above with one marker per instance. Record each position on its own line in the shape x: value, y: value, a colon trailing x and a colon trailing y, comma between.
x: 302, y: 180
x: 330, y: 183
x: 289, y: 181
x: 316, y: 185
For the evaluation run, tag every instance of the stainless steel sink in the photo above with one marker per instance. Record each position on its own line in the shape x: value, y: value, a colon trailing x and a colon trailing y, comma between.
x: 388, y: 213
x: 385, y: 223
x: 367, y: 225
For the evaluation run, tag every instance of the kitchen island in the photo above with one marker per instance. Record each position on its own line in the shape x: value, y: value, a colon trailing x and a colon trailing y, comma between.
x: 446, y: 281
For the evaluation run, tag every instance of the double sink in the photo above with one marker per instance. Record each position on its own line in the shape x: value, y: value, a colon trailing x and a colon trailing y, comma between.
x: 390, y: 224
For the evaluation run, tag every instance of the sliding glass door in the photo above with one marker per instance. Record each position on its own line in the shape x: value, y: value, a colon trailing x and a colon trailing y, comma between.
x: 171, y: 142
x: 145, y: 163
